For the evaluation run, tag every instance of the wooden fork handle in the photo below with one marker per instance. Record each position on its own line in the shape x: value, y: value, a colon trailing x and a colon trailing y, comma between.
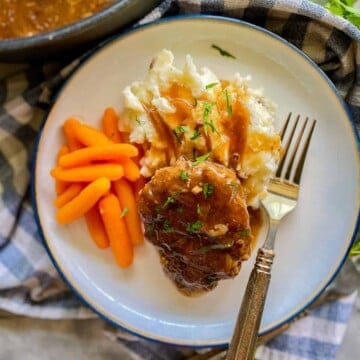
x: 243, y: 342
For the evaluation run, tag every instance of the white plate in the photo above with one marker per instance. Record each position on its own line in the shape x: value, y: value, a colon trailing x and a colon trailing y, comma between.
x: 311, y: 243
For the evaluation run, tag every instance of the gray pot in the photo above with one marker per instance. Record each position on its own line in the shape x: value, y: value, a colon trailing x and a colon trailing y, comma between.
x: 77, y: 36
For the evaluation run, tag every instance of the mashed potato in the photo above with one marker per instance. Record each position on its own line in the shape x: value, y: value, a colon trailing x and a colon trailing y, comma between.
x: 191, y: 113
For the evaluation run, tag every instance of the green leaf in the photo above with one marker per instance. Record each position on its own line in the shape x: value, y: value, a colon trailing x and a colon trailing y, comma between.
x: 198, y: 209
x: 194, y: 227
x: 222, y: 51
x: 201, y: 158
x: 244, y: 233
x: 184, y: 175
x: 195, y: 135
x: 355, y: 250
x: 345, y: 9
x: 205, y: 249
x: 208, y: 190
x: 228, y: 102
x: 211, y: 85
x: 168, y: 229
x: 181, y: 129
x: 170, y: 199
x: 124, y: 212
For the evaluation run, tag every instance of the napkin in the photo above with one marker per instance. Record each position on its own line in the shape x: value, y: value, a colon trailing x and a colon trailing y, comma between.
x: 29, y: 283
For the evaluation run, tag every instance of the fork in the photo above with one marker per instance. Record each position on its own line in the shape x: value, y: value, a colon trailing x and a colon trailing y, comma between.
x: 282, y: 197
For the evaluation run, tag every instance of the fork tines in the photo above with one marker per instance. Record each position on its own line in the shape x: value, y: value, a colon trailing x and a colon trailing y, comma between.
x: 294, y: 146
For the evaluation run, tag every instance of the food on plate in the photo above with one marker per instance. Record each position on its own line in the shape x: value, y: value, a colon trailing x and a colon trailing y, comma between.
x: 22, y: 18
x: 191, y: 112
x: 210, y: 148
x: 95, y: 177
x: 196, y: 215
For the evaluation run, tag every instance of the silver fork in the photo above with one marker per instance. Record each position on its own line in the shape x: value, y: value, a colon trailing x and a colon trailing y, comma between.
x: 283, y: 192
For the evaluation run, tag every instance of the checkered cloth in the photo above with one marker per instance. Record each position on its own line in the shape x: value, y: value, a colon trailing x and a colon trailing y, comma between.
x: 30, y: 285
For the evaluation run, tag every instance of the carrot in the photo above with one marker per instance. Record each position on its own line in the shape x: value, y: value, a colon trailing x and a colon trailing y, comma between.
x: 88, y: 173
x: 126, y: 197
x: 96, y: 228
x: 131, y: 170
x: 110, y: 122
x: 83, y: 202
x: 89, y: 136
x: 67, y: 195
x: 60, y: 186
x: 96, y: 153
x: 120, y: 242
x: 69, y: 129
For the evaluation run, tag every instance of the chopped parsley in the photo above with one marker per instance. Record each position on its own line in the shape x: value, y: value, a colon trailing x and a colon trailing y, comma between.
x: 194, y: 227
x: 184, y: 175
x: 168, y: 229
x: 210, y: 279
x: 222, y: 51
x: 208, y: 123
x: 196, y: 134
x: 181, y: 129
x: 244, y: 233
x: 205, y: 249
x: 170, y: 199
x: 198, y: 209
x: 141, y: 123
x: 125, y: 210
x: 208, y: 190
x: 198, y: 160
x: 228, y: 102
x: 211, y: 85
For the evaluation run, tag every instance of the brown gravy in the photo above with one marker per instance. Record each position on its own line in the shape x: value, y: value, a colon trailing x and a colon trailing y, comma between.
x: 23, y: 18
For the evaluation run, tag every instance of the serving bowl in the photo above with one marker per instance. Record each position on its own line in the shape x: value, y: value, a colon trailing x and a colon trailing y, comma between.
x: 77, y: 36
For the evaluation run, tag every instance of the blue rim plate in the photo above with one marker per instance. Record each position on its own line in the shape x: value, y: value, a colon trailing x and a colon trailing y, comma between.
x: 312, y: 243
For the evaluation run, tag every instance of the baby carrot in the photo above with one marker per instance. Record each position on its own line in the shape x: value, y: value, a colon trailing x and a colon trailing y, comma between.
x: 110, y: 122
x: 84, y: 201
x: 96, y: 228
x: 126, y: 197
x: 120, y: 242
x: 68, y: 194
x: 95, y: 153
x: 88, y: 173
x: 60, y: 186
x: 131, y: 170
x: 69, y: 129
x: 90, y: 136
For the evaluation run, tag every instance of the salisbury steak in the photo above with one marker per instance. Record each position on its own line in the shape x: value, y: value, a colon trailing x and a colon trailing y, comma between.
x: 196, y: 215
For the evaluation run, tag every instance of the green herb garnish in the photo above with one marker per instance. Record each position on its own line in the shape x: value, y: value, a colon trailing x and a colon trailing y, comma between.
x: 208, y: 190
x: 208, y: 123
x: 181, y: 129
x: 210, y: 279
x: 228, y: 102
x: 180, y: 210
x: 195, y: 135
x: 244, y: 233
x: 355, y: 250
x: 345, y: 9
x: 170, y: 199
x: 168, y: 229
x: 211, y: 85
x: 198, y: 209
x: 223, y: 52
x: 125, y: 210
x: 205, y: 249
x: 184, y: 175
x: 194, y: 227
x: 201, y: 158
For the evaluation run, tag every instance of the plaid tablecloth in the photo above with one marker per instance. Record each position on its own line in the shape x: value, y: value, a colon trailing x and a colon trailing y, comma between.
x: 29, y: 284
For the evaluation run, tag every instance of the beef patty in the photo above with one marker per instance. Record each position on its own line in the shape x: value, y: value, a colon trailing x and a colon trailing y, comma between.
x: 197, y: 217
